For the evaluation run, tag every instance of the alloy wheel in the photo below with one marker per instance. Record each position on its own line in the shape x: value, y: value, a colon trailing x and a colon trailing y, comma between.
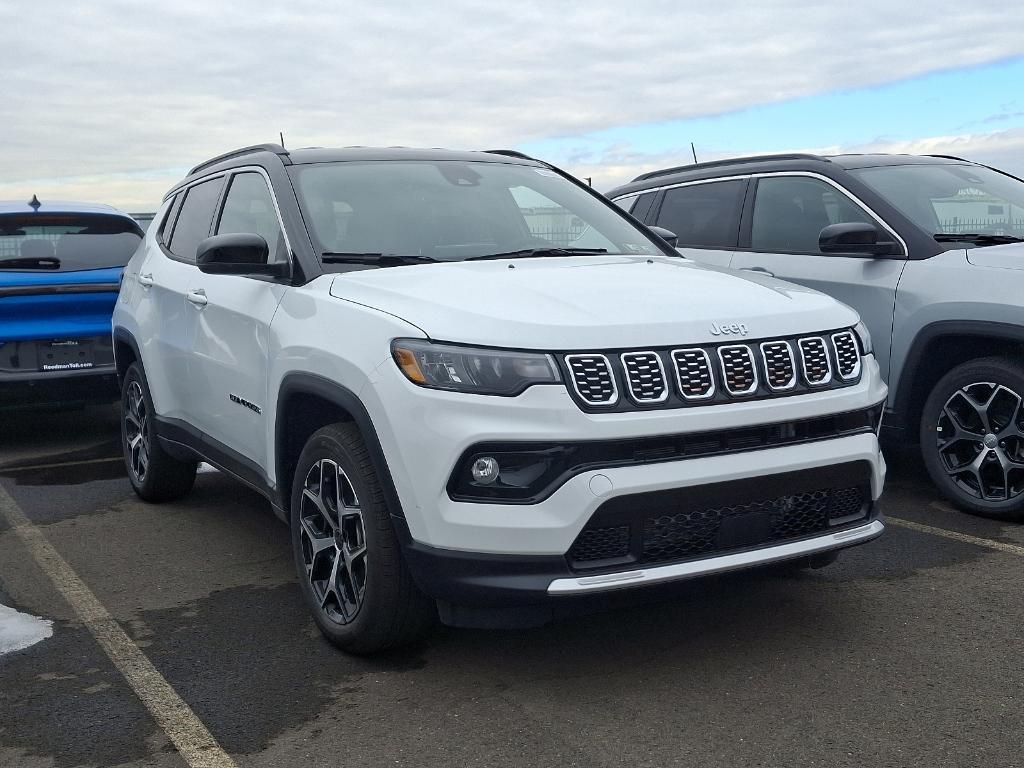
x: 980, y: 440
x: 333, y: 541
x: 136, y: 431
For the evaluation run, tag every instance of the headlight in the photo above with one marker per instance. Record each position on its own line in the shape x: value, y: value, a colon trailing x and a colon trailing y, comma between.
x: 865, y: 338
x: 472, y: 369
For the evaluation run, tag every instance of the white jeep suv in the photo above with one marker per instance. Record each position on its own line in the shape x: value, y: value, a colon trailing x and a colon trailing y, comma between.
x: 475, y: 389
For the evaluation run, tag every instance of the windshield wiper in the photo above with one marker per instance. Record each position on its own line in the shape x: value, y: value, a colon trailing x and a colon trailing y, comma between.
x: 41, y: 262
x: 976, y: 237
x: 380, y: 259
x: 529, y: 253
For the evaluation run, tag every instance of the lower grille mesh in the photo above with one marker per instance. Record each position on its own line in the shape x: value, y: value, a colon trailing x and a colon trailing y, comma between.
x: 711, y: 530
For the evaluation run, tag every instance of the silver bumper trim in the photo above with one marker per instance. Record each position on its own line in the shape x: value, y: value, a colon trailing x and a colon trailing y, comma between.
x: 719, y: 564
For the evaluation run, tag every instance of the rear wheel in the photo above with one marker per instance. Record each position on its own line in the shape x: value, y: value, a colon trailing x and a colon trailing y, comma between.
x: 154, y: 474
x: 348, y: 558
x: 972, y: 437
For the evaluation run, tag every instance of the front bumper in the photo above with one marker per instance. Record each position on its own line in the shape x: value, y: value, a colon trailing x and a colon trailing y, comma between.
x: 424, y: 433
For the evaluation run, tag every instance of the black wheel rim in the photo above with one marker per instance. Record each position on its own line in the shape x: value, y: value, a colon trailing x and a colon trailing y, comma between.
x: 333, y: 541
x: 980, y: 440
x: 136, y: 431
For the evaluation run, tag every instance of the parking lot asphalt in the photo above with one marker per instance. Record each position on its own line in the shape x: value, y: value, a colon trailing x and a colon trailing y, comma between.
x: 906, y: 652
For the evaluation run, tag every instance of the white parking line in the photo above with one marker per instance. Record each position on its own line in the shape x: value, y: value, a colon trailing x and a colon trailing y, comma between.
x: 999, y: 546
x: 182, y: 726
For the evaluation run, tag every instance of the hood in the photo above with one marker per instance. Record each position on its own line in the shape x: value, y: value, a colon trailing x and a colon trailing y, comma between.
x: 1009, y: 256
x: 590, y: 302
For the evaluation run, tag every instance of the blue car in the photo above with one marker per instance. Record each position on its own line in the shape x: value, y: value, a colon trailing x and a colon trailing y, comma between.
x: 60, y: 270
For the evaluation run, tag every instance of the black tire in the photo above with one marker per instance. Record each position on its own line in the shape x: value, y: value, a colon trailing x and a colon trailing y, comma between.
x: 348, y: 559
x: 155, y: 475
x: 972, y: 437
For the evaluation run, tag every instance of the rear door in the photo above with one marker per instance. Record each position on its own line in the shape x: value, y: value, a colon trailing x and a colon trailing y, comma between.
x: 231, y: 347
x: 167, y: 322
x: 704, y: 216
x: 780, y: 236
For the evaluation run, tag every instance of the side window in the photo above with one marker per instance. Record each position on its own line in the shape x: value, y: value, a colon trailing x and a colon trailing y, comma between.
x: 249, y: 207
x: 168, y: 221
x: 626, y: 203
x: 643, y: 205
x: 704, y: 215
x: 791, y: 211
x: 193, y: 224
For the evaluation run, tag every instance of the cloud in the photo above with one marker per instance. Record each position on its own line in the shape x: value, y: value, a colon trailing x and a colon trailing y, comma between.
x: 111, y: 87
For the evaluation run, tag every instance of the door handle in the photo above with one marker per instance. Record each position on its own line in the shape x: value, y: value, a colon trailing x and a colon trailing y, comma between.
x: 197, y: 297
x: 759, y: 270
x: 146, y: 281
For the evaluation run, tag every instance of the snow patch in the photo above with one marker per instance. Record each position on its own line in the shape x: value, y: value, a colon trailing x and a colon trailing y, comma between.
x: 19, y: 630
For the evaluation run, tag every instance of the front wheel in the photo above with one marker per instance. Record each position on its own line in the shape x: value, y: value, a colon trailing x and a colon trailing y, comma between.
x: 972, y: 437
x: 349, y: 561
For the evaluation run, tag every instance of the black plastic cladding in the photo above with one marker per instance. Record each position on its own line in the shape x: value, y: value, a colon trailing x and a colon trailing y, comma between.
x: 721, y: 396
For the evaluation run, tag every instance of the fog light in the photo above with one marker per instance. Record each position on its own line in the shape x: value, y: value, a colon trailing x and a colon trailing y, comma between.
x: 485, y: 470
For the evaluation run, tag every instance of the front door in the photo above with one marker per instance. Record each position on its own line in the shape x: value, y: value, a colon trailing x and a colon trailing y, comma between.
x: 231, y: 349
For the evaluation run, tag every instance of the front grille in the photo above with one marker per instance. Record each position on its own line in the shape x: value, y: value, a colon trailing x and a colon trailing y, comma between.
x: 817, y: 368
x: 712, y: 374
x: 707, y: 521
x: 738, y: 372
x: 645, y: 376
x: 693, y: 373
x: 847, y: 355
x: 592, y: 378
x: 779, y: 368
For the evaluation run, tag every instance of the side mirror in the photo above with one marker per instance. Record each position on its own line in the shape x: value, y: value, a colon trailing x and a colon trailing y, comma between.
x: 240, y: 253
x: 854, y: 239
x: 666, y: 235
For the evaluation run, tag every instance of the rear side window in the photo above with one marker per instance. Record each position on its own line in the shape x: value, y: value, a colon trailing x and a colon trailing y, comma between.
x: 704, y: 215
x: 66, y: 242
x: 193, y: 224
x: 626, y: 203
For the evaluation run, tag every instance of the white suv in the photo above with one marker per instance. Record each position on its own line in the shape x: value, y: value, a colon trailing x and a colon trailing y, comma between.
x: 475, y: 388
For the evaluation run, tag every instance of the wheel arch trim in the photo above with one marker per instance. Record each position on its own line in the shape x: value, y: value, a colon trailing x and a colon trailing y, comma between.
x: 990, y: 329
x: 302, y: 383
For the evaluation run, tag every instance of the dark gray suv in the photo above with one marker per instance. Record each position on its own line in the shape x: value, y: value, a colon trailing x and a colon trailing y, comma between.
x: 929, y: 251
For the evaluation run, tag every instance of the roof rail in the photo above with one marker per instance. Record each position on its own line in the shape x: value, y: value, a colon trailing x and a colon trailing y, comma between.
x: 730, y: 161
x: 277, y: 149
x: 510, y: 153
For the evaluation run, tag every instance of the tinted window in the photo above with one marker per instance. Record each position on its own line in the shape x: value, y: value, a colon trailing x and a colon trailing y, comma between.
x: 626, y: 203
x: 791, y: 211
x: 451, y: 210
x: 704, y: 214
x: 643, y: 205
x: 249, y: 207
x: 193, y: 224
x: 66, y: 242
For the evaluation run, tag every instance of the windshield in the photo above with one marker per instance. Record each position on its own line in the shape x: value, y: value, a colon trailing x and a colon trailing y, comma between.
x: 951, y: 199
x: 451, y: 211
x: 65, y: 242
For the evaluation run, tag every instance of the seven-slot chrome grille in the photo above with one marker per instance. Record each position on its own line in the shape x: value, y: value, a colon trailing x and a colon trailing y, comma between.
x: 713, y: 373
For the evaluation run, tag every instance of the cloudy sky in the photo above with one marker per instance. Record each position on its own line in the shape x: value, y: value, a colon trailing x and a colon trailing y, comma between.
x: 112, y: 101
